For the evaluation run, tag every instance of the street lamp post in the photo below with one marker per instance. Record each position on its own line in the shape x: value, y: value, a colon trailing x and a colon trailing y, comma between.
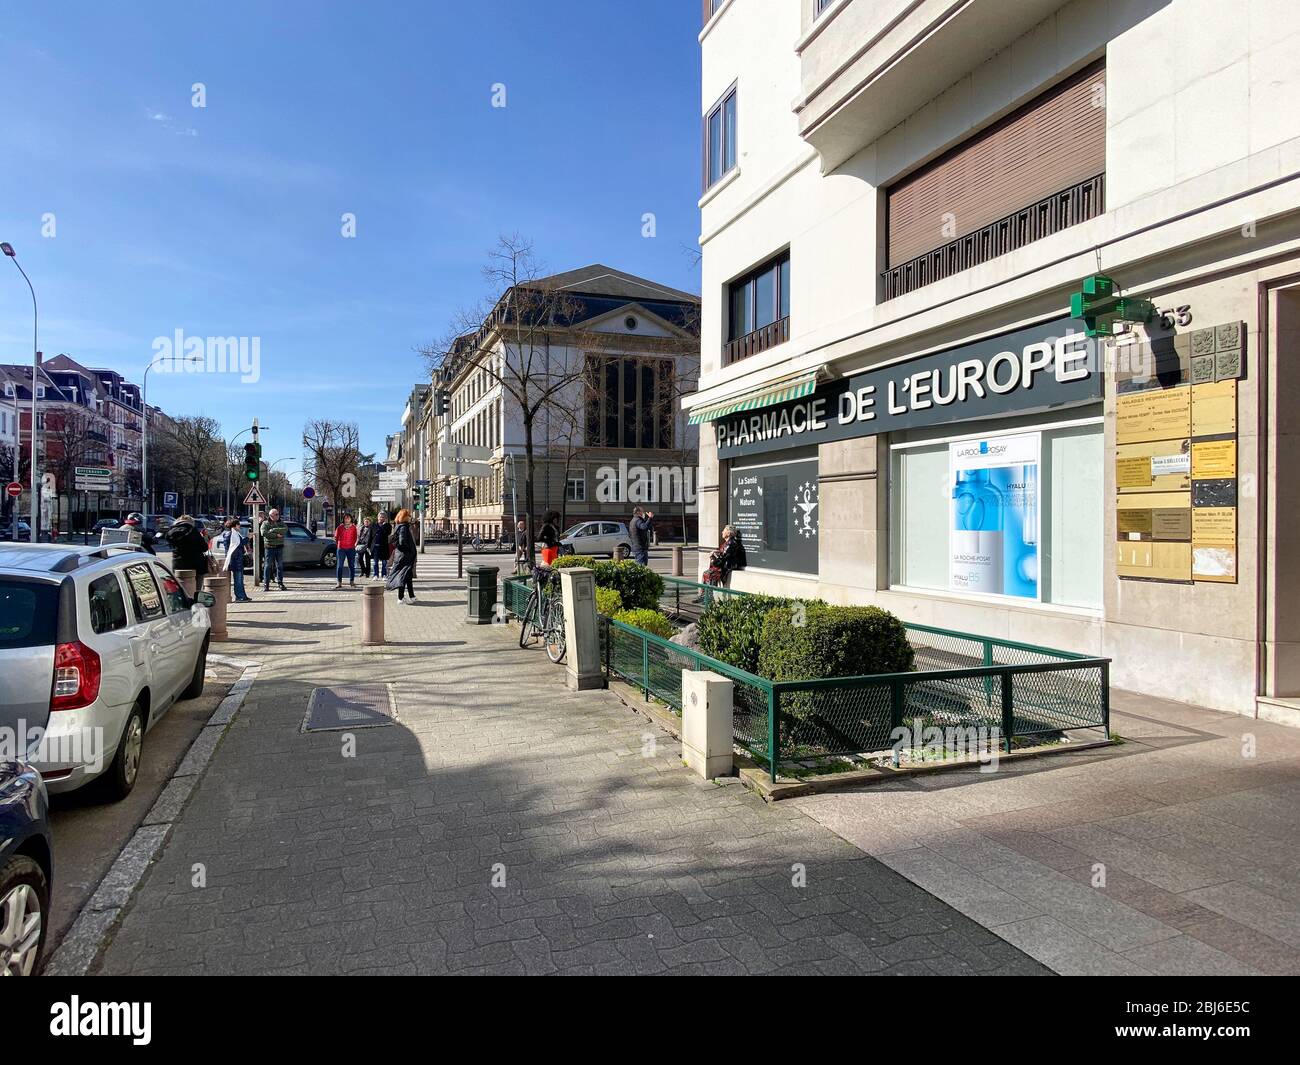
x: 8, y: 250
x: 145, y: 488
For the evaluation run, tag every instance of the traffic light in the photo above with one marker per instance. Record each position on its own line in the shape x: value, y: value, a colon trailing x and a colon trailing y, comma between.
x: 252, y: 462
x: 442, y: 402
x: 1100, y: 308
x: 422, y: 497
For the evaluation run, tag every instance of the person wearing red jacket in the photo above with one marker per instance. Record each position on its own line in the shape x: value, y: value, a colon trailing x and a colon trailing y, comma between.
x: 345, y: 540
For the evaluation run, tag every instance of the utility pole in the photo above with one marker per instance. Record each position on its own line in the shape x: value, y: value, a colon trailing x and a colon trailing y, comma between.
x: 460, y: 527
x: 256, y: 523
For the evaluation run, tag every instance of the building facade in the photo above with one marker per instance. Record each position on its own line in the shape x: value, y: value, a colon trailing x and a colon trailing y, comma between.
x: 611, y: 436
x: 899, y: 405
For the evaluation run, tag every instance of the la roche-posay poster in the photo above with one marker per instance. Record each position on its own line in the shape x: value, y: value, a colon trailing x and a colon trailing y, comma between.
x: 994, y: 533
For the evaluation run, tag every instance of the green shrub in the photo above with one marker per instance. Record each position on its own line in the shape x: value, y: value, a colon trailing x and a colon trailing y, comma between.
x: 731, y: 628
x: 651, y: 621
x: 831, y: 641
x: 608, y: 602
x: 565, y: 561
x: 640, y: 586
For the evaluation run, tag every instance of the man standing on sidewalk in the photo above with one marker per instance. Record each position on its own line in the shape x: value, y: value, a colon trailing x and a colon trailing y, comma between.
x: 642, y: 522
x: 272, y: 534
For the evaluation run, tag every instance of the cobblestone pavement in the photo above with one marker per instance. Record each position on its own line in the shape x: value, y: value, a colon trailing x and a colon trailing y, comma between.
x: 504, y: 825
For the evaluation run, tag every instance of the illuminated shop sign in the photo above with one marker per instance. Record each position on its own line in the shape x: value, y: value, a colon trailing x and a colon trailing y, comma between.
x: 1050, y: 365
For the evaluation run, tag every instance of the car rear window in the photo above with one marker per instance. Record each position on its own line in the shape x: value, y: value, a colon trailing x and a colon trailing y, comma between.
x: 29, y: 613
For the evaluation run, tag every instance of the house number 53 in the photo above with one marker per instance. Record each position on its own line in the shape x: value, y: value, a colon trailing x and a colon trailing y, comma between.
x: 1181, y: 316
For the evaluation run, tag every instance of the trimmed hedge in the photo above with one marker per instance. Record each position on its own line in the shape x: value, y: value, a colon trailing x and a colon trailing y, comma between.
x: 608, y: 602
x: 651, y: 621
x: 832, y: 641
x: 731, y: 628
x: 639, y: 586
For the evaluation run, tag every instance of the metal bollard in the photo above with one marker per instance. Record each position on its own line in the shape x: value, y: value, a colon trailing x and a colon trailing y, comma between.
x: 217, y: 612
x: 372, y: 615
x: 188, y: 579
x: 677, y: 560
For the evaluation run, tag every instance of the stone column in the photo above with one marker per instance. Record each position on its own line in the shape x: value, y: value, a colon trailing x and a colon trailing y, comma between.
x: 582, y: 662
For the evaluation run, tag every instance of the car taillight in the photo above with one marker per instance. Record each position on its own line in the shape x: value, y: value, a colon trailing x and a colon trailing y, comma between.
x: 76, y: 676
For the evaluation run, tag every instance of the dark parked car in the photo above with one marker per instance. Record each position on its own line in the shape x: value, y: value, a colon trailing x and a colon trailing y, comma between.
x: 24, y: 531
x: 25, y: 868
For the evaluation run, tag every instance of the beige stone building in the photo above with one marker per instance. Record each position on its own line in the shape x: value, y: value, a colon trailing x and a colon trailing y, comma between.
x: 899, y: 405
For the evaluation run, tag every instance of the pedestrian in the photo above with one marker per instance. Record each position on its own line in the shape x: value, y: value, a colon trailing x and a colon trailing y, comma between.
x: 189, y: 547
x: 401, y: 574
x: 272, y: 532
x: 643, y: 522
x: 381, y: 545
x: 364, y: 537
x: 233, y: 562
x: 135, y: 523
x: 345, y: 541
x: 728, y: 557
x: 521, y: 546
x: 549, y: 537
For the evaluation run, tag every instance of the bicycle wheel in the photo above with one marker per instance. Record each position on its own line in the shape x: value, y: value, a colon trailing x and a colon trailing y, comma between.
x: 527, y: 622
x: 553, y: 632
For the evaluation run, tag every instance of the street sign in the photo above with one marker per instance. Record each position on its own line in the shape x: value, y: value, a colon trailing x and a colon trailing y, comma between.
x: 452, y: 468
x: 95, y: 472
x: 169, y: 499
x: 309, y: 493
x: 451, y: 452
x: 14, y: 489
x: 92, y: 486
x: 254, y: 498
x: 422, y: 484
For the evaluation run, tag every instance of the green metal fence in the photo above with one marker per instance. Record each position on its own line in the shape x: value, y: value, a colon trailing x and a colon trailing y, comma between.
x: 1001, y: 689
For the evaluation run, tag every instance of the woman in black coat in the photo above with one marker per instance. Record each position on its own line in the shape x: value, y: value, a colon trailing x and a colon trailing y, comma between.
x: 401, y: 570
x: 189, y: 547
x: 381, y: 545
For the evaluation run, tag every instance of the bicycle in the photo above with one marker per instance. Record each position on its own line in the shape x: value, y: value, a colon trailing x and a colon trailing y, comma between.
x: 477, y: 543
x: 544, y: 614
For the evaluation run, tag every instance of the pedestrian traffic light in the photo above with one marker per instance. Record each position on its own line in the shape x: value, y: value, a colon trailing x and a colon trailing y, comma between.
x: 442, y: 402
x: 252, y: 462
x: 1099, y: 307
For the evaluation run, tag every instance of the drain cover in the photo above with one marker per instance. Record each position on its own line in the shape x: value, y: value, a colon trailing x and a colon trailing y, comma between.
x: 349, y: 706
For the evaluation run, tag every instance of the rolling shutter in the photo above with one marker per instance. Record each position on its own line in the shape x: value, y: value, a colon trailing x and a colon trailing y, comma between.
x: 1053, y: 142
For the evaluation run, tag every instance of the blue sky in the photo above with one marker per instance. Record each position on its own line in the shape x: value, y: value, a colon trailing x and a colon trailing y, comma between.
x: 225, y: 220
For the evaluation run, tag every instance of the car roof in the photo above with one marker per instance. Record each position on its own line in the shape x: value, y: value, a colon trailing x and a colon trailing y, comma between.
x: 54, y: 560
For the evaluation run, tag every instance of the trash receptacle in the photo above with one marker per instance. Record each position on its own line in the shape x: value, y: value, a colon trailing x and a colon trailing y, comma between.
x: 482, y: 594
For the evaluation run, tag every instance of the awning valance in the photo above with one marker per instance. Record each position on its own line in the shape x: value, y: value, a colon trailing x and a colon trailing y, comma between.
x: 779, y: 392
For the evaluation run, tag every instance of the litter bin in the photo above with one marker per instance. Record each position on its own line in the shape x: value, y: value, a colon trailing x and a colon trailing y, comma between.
x: 482, y: 594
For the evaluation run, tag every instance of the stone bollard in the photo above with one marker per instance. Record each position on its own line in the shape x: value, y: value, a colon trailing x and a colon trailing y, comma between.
x: 482, y: 594
x: 677, y: 560
x: 225, y: 578
x: 706, y: 723
x: 582, y: 662
x: 188, y: 579
x: 372, y: 615
x: 217, y: 611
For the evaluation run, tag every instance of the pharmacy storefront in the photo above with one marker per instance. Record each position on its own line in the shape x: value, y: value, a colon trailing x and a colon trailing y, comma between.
x: 1034, y: 485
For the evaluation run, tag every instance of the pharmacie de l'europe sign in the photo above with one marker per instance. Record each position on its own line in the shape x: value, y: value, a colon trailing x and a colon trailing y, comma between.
x: 1052, y: 364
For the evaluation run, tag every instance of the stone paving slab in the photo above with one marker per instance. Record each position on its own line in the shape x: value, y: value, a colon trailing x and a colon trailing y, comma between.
x: 503, y: 825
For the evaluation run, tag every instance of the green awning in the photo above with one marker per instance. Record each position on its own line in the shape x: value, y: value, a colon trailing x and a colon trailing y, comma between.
x: 780, y: 392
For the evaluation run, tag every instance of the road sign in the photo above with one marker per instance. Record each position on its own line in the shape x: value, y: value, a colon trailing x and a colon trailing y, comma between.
x: 254, y: 498
x: 14, y: 489
x: 94, y: 472
x: 452, y: 468
x: 92, y: 486
x: 463, y: 452
x: 309, y: 492
x: 422, y: 484
x: 169, y: 499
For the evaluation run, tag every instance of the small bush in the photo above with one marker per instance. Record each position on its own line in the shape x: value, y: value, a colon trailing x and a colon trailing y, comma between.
x: 832, y: 641
x: 640, y: 586
x: 647, y: 621
x: 565, y: 561
x: 731, y: 628
x: 608, y: 602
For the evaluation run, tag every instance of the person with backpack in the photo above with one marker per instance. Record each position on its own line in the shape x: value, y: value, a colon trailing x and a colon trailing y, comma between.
x: 189, y: 547
x: 549, y: 537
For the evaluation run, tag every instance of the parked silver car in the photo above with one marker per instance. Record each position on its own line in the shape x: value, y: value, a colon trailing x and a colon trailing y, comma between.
x: 597, y: 538
x: 96, y: 644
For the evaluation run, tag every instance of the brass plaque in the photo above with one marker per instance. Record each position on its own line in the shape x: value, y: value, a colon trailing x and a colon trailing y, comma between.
x: 1214, y: 458
x: 1214, y: 409
x: 1172, y: 525
x: 1162, y: 414
x: 1133, y: 472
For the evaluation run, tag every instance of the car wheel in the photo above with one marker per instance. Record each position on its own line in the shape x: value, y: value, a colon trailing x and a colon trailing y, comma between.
x: 122, y: 774
x: 24, y: 901
x: 200, y: 667
x: 622, y: 552
x: 328, y: 559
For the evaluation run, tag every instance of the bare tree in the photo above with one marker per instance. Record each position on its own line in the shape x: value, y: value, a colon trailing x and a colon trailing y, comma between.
x: 196, y: 443
x: 334, y: 457
x: 511, y: 338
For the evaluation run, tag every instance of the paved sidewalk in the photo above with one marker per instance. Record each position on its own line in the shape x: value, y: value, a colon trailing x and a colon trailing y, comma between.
x: 1198, y: 844
x: 608, y: 856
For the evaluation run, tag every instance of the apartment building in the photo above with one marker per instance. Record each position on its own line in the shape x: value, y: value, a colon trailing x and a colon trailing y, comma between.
x: 611, y: 433
x: 899, y: 199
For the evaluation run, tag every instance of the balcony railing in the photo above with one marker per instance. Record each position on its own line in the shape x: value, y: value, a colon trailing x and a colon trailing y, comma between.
x: 769, y: 336
x: 1059, y: 211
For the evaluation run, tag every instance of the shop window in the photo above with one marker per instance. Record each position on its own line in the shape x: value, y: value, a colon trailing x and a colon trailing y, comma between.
x: 1017, y: 514
x: 775, y: 510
